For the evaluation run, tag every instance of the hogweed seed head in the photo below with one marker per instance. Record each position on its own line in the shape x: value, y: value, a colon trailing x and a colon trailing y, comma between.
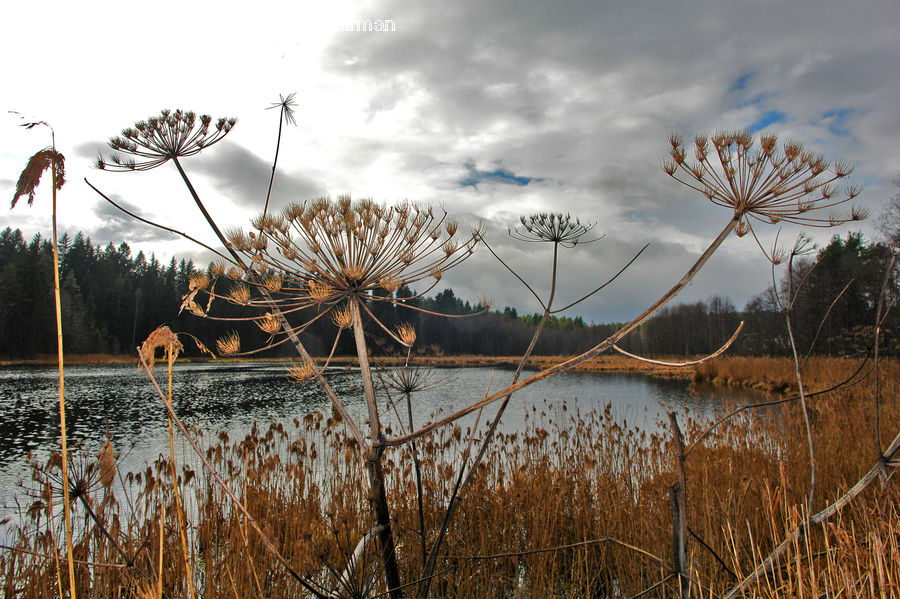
x: 240, y: 294
x: 269, y: 323
x: 407, y: 334
x: 556, y: 228
x: 759, y: 181
x: 341, y: 317
x: 172, y: 134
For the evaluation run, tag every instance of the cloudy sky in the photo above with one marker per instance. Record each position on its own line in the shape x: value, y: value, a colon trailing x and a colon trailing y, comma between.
x: 490, y: 109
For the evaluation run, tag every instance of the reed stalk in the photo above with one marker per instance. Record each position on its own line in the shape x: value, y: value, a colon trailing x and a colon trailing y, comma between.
x: 170, y: 359
x: 29, y: 179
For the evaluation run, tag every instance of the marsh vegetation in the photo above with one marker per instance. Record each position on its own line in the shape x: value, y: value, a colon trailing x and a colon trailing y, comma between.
x: 340, y: 504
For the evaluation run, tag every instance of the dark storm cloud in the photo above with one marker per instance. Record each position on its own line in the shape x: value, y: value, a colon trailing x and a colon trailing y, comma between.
x: 585, y: 94
x: 576, y: 67
x: 244, y: 177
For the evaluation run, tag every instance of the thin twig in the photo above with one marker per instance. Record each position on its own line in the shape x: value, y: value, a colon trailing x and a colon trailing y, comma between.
x: 718, y: 352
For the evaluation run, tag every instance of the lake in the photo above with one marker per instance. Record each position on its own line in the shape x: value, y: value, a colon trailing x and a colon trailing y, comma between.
x: 119, y: 402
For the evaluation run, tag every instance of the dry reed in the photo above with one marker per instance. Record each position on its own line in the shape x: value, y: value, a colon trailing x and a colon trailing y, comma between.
x: 571, y: 479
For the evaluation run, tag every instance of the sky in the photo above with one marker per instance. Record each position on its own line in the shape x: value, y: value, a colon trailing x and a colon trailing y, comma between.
x: 490, y: 110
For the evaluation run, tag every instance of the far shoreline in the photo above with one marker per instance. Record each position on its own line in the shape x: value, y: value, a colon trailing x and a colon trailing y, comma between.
x: 610, y: 364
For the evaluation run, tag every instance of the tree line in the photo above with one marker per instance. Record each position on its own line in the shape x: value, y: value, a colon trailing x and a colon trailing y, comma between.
x: 111, y: 301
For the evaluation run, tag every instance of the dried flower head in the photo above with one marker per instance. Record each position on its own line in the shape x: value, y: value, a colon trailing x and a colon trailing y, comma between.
x: 229, y: 345
x: 30, y: 177
x: 240, y: 294
x: 217, y: 268
x: 341, y: 317
x: 359, y: 247
x: 198, y: 281
x: 106, y: 464
x: 407, y: 334
x: 759, y: 179
x: 269, y: 323
x: 162, y: 338
x: 159, y: 139
x: 302, y: 373
x: 413, y: 379
x: 272, y: 283
x: 552, y: 227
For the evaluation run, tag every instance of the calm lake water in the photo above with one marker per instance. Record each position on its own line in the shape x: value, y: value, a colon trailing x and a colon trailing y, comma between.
x: 118, y: 402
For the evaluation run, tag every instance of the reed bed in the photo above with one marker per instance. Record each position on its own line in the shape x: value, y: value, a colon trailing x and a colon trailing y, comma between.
x: 575, y: 505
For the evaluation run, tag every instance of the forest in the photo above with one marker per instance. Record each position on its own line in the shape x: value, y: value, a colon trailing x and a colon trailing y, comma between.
x: 111, y: 301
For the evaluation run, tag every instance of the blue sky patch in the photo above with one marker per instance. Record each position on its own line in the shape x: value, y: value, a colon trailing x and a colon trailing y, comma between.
x: 499, y: 175
x: 769, y: 118
x: 836, y: 121
x: 740, y: 84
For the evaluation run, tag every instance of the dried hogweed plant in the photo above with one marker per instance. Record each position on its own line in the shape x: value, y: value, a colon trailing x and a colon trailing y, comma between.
x: 334, y: 260
x: 332, y: 257
x: 338, y: 258
x: 765, y: 182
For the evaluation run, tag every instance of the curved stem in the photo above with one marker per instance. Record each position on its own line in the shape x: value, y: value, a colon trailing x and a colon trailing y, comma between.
x: 274, y: 163
x: 584, y: 357
x: 157, y: 225
x: 718, y: 352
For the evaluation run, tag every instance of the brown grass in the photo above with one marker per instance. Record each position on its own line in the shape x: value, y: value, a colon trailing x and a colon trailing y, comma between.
x: 550, y: 486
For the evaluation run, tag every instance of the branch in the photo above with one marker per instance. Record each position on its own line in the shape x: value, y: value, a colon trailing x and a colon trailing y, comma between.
x: 514, y: 273
x: 718, y: 352
x: 767, y: 564
x: 822, y: 322
x: 580, y: 359
x: 159, y: 226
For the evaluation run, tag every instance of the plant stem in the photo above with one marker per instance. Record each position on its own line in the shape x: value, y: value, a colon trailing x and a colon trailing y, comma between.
x: 799, y: 376
x: 62, y: 393
x: 377, y: 494
x: 581, y: 358
x: 170, y: 356
x: 462, y: 484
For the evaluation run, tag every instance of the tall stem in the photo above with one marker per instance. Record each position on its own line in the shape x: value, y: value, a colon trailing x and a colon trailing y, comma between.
x: 274, y: 163
x: 62, y: 393
x: 170, y: 357
x: 377, y: 493
x: 462, y: 484
x: 285, y: 325
x: 799, y: 376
